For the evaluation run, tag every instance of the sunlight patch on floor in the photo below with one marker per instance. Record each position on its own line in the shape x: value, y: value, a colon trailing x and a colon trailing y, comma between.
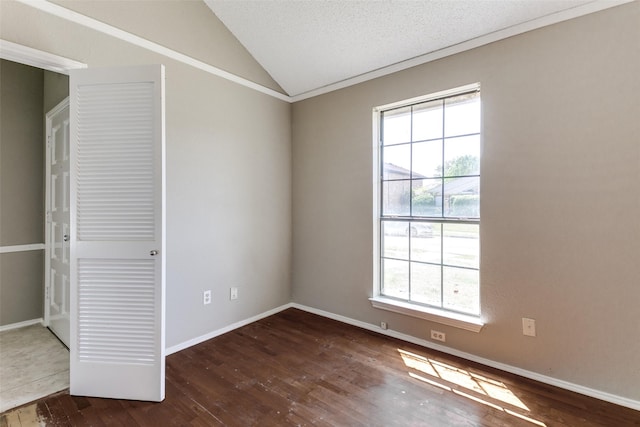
x: 26, y: 416
x: 492, y: 393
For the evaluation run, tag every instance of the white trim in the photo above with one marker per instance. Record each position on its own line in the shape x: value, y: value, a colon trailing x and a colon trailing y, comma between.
x: 607, y: 397
x: 430, y: 97
x: 37, y: 58
x: 202, y: 338
x: 112, y: 31
x: 21, y: 248
x: 565, y: 15
x: 21, y: 324
x: 468, y: 323
x: 376, y: 185
x: 69, y: 15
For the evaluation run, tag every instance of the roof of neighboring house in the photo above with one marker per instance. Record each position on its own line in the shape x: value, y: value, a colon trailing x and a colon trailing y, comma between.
x: 390, y: 168
x: 462, y: 185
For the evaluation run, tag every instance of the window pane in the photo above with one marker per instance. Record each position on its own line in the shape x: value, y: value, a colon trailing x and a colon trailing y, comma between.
x: 461, y: 245
x: 462, y: 115
x: 419, y: 229
x: 396, y: 126
x: 462, y: 197
x: 427, y: 197
x: 395, y: 239
x: 462, y: 156
x: 397, y: 162
x: 396, y: 198
x: 395, y: 278
x: 425, y: 283
x: 461, y: 290
x: 430, y: 166
x: 427, y: 159
x: 427, y: 248
x: 427, y: 121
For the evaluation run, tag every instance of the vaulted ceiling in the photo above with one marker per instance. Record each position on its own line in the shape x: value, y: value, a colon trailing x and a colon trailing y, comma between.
x: 314, y: 44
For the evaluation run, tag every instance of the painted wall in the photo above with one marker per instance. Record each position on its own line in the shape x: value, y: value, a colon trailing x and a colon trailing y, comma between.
x: 560, y: 228
x: 228, y: 172
x: 21, y: 191
x: 183, y: 25
x: 56, y: 88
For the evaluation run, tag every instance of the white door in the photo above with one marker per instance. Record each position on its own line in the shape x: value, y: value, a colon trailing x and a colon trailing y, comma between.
x: 117, y: 233
x: 56, y: 306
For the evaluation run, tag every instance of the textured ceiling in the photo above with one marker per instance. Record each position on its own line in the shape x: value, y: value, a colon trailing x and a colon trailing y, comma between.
x: 306, y: 45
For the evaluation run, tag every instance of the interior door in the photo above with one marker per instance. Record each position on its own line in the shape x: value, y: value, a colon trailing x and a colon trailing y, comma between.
x: 57, y: 225
x: 117, y: 233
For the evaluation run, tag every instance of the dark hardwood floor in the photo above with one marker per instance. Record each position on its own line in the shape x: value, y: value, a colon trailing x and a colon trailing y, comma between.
x: 296, y: 368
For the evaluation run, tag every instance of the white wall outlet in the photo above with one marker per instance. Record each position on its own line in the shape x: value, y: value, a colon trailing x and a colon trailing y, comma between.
x: 528, y: 327
x: 384, y: 325
x: 206, y: 297
x: 438, y: 336
x: 233, y: 294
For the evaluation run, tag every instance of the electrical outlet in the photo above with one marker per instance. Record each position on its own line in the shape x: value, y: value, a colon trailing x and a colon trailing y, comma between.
x: 383, y: 325
x: 233, y: 294
x: 206, y: 297
x: 438, y: 336
x: 528, y: 327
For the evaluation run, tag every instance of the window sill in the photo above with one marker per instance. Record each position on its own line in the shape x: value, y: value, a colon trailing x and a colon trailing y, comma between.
x: 462, y: 321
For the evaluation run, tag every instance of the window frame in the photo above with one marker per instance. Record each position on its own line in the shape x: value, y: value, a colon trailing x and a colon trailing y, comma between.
x: 441, y: 315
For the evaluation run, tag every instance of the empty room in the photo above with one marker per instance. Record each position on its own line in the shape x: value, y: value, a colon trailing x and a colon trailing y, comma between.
x: 330, y: 213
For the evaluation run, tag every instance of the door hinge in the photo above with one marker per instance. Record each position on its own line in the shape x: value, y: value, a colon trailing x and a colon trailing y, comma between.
x: 48, y: 216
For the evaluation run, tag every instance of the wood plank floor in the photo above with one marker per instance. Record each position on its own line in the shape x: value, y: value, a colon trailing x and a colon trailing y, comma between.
x: 295, y: 368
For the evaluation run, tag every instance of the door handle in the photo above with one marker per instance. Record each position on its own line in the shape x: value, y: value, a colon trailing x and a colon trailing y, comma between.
x: 153, y: 252
x: 65, y: 237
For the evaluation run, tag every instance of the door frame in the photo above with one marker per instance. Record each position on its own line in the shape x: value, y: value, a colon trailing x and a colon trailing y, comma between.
x: 58, y: 64
x: 37, y: 58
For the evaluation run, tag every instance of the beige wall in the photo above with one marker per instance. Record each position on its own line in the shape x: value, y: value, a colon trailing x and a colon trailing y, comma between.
x: 228, y: 171
x: 183, y: 25
x: 21, y: 190
x: 56, y: 88
x: 21, y: 286
x: 560, y: 202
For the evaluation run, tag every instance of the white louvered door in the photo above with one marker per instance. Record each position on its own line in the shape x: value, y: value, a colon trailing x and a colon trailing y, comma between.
x: 117, y: 233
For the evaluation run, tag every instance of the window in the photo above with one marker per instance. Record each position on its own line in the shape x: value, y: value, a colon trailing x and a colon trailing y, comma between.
x: 429, y: 202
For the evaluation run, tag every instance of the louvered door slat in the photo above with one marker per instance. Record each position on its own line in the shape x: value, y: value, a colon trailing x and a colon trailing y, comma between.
x: 118, y: 218
x: 115, y: 161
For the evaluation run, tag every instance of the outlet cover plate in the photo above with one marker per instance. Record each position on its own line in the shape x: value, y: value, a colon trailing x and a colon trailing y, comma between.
x: 529, y: 327
x: 438, y: 336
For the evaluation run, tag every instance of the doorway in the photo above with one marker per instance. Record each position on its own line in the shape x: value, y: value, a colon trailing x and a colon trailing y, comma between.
x: 34, y: 362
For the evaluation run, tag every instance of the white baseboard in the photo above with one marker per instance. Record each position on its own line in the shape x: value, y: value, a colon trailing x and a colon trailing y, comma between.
x: 21, y: 324
x: 607, y: 397
x: 202, y: 338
